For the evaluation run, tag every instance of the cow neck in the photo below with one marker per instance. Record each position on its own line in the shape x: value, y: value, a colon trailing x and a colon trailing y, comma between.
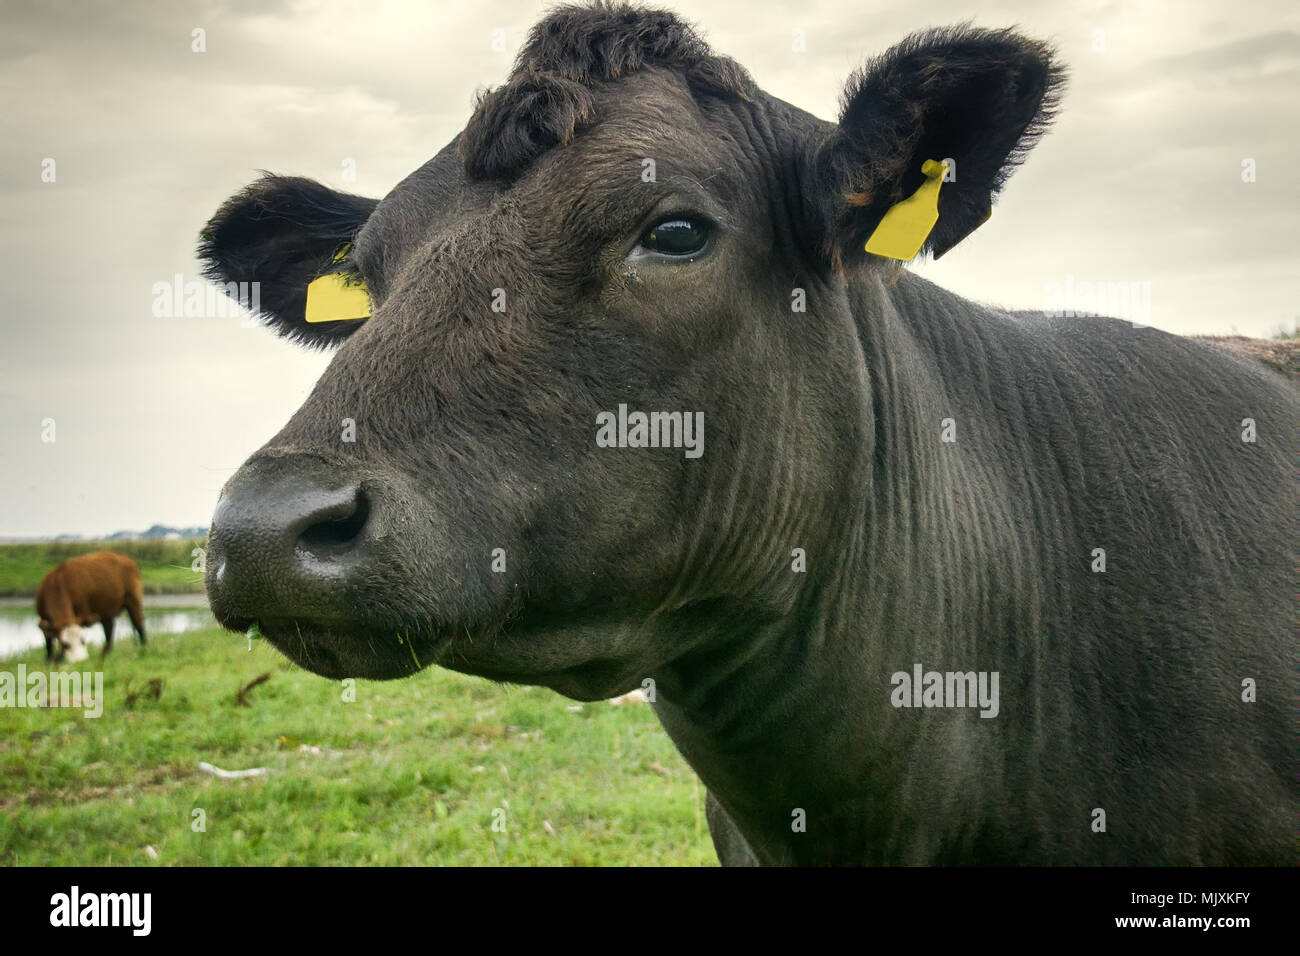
x: 912, y: 582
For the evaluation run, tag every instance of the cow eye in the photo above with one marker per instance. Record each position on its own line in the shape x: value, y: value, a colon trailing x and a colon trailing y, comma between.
x: 678, y: 238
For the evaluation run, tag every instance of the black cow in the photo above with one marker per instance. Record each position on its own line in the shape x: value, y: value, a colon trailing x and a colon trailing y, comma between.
x: 916, y: 580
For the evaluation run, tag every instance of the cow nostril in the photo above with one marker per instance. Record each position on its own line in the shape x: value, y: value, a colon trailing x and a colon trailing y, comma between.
x: 337, y: 534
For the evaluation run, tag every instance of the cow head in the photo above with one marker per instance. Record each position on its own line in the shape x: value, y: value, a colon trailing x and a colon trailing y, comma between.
x: 69, y: 639
x: 627, y: 222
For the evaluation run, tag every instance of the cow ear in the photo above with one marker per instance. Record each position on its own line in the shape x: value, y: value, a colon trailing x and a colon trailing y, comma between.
x: 284, y: 234
x: 940, y: 120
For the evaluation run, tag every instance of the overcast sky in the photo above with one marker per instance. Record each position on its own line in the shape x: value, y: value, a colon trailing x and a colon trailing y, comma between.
x: 1141, y: 181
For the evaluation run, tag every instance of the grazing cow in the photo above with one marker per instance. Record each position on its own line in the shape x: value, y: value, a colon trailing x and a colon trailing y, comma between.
x: 915, y: 580
x: 85, y: 589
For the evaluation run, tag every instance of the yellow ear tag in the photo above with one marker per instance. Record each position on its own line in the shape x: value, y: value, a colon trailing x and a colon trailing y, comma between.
x: 907, y: 224
x: 331, y: 298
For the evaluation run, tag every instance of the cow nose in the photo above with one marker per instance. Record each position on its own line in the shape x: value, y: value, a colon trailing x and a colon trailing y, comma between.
x: 287, y: 536
x: 258, y: 525
x: 331, y: 524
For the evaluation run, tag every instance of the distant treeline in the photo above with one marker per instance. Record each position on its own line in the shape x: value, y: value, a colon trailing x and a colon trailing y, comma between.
x: 165, y: 566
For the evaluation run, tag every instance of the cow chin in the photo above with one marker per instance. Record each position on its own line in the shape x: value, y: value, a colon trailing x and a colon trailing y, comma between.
x: 585, y: 658
x: 340, y: 650
x: 521, y: 653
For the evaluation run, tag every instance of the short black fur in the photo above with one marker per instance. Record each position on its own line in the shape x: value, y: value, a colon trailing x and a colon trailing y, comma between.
x: 547, y: 99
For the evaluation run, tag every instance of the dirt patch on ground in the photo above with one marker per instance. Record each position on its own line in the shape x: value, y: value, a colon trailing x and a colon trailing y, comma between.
x: 159, y: 778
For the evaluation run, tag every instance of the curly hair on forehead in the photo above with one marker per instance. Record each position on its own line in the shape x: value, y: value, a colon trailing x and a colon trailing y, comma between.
x: 548, y: 96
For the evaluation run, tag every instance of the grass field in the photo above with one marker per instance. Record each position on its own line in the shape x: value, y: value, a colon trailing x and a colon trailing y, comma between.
x: 165, y: 566
x: 412, y: 772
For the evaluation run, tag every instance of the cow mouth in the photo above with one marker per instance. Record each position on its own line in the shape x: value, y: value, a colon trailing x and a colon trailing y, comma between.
x: 75, y: 654
x: 340, y: 650
x: 359, y: 637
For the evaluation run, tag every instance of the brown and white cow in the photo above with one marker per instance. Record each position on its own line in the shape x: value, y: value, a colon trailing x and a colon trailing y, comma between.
x: 82, y: 591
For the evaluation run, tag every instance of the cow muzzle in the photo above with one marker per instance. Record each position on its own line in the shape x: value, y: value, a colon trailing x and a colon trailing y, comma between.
x: 304, y: 548
x: 73, y: 641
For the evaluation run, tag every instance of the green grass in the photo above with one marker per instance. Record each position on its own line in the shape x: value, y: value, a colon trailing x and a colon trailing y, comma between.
x: 165, y: 566
x: 410, y: 773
